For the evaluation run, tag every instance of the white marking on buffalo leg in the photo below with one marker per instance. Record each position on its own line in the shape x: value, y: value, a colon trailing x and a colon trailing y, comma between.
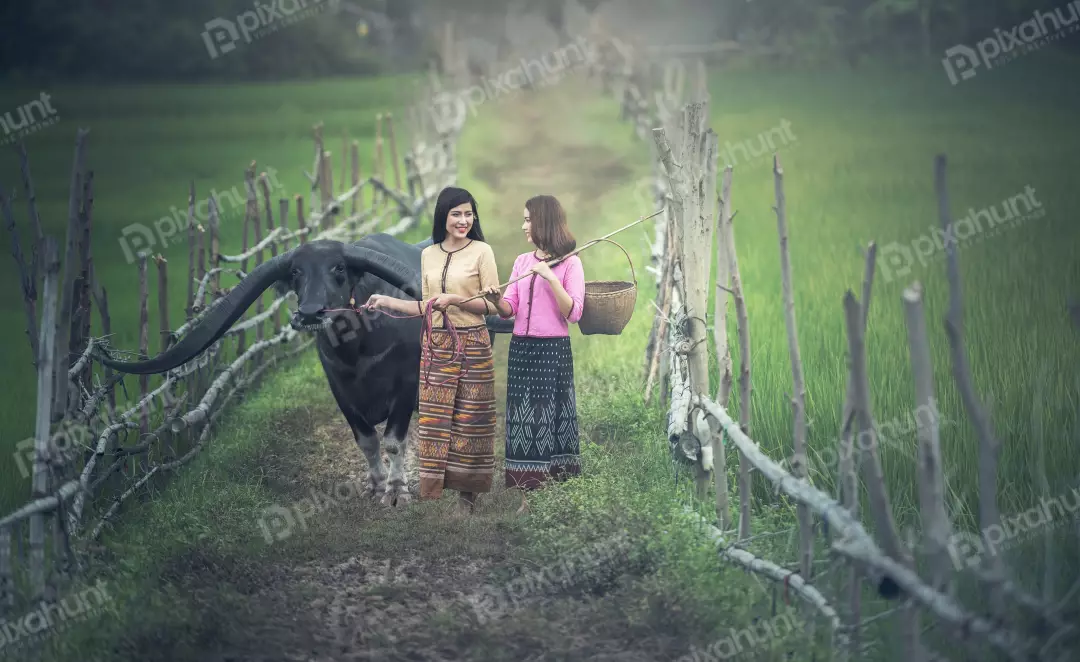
x: 369, y: 444
x: 397, y: 492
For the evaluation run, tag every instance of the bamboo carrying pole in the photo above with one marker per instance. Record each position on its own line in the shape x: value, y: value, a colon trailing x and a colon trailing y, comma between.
x: 570, y: 254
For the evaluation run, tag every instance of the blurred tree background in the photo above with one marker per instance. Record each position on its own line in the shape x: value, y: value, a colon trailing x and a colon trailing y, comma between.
x: 162, y: 39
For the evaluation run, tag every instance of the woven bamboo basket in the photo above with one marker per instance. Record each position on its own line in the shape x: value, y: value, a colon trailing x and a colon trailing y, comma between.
x: 609, y: 304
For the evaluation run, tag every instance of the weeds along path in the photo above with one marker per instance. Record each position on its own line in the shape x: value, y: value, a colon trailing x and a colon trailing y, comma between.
x: 366, y: 582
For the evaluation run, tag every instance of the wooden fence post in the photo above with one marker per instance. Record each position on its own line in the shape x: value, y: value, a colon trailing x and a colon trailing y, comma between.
x: 798, y: 397
x: 300, y: 224
x: 989, y: 446
x: 264, y: 183
x: 378, y: 199
x: 214, y: 285
x: 393, y: 151
x: 328, y: 191
x: 26, y: 277
x: 144, y: 340
x: 43, y: 427
x: 935, y: 520
x: 727, y: 235
x: 191, y: 253
x: 67, y: 294
x: 37, y: 244
x: 344, y: 158
x: 101, y: 298
x: 81, y: 320
x: 7, y: 577
x: 357, y: 199
x: 164, y: 329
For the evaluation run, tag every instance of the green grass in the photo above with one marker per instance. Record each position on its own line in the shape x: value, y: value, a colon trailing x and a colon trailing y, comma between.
x: 146, y: 145
x: 861, y: 169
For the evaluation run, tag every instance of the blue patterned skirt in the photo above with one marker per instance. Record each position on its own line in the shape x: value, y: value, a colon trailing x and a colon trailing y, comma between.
x: 541, y: 412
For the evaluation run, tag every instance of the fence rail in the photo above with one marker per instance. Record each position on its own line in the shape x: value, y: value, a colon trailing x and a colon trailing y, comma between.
x: 1010, y: 624
x: 84, y: 465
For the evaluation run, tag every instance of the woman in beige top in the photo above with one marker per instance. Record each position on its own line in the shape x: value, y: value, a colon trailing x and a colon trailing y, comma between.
x: 457, y: 394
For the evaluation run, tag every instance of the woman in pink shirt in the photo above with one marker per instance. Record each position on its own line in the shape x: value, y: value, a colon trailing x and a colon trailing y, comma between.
x: 541, y: 409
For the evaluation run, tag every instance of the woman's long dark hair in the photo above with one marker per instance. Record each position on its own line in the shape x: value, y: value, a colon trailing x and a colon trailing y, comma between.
x: 549, y: 229
x: 451, y: 197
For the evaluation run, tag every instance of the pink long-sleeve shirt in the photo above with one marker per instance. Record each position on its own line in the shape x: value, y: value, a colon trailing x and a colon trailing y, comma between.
x: 543, y: 319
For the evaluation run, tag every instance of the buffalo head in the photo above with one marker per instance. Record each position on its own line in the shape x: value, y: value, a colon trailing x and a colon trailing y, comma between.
x: 322, y: 273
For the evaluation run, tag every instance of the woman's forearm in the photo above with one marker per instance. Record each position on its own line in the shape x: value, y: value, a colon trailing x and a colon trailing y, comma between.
x: 566, y: 302
x: 404, y: 306
x: 504, y: 308
x: 476, y: 306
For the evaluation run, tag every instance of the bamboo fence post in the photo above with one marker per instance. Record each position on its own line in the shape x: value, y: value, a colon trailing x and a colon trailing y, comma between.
x: 798, y: 400
x: 144, y: 340
x: 908, y: 623
x: 67, y: 294
x: 42, y: 434
x: 935, y: 520
x: 994, y: 575
x: 357, y: 198
x: 190, y: 313
x: 25, y: 276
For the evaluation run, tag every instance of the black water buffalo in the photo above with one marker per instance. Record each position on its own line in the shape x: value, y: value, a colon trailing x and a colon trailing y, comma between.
x: 371, y: 360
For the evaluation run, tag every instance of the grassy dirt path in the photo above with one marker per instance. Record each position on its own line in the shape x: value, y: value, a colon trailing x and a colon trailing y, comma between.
x: 365, y: 582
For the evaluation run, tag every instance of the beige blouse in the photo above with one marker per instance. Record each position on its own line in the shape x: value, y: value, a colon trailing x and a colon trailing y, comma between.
x: 466, y: 271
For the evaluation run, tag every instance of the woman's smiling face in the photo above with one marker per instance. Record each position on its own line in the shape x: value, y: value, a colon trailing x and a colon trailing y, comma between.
x: 459, y: 221
x: 526, y: 227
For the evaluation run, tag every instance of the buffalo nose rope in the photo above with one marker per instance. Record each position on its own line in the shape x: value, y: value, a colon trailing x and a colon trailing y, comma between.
x: 458, y: 344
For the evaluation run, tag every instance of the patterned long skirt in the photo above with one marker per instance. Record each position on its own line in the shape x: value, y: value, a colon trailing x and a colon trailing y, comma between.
x: 541, y: 412
x: 457, y: 414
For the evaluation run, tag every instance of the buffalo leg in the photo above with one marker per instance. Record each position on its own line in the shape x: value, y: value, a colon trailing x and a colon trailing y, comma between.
x: 369, y: 444
x: 396, y: 440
